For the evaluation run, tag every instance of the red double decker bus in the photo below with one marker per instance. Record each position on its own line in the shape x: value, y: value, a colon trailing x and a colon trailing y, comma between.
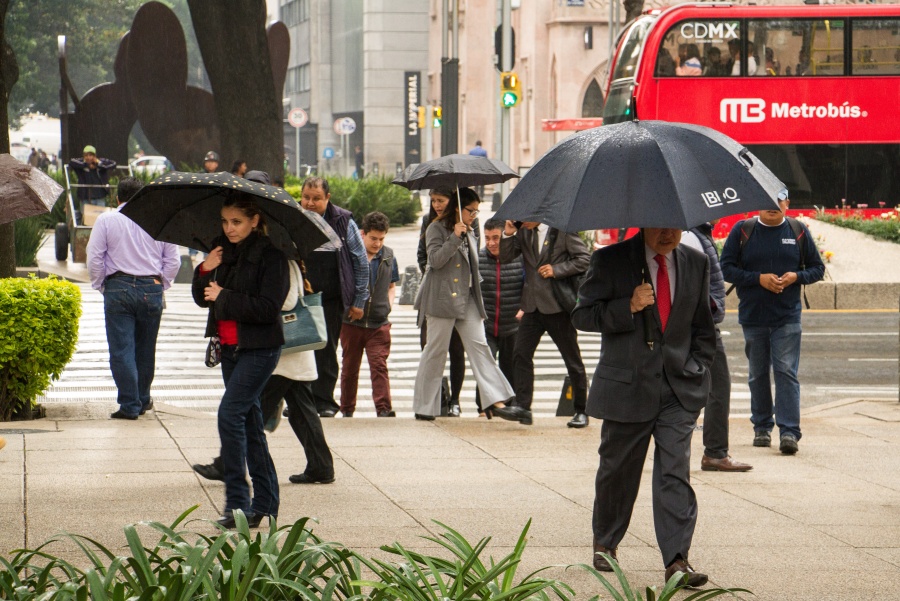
x: 813, y: 91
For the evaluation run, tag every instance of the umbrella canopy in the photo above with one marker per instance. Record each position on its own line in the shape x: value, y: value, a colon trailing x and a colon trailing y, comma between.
x: 455, y: 170
x: 185, y: 209
x: 642, y: 174
x: 24, y: 190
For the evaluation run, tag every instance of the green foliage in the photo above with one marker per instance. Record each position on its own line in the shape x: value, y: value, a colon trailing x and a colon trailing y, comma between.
x: 668, y: 592
x: 29, y: 234
x: 286, y: 563
x: 884, y: 227
x: 38, y: 332
x: 361, y: 196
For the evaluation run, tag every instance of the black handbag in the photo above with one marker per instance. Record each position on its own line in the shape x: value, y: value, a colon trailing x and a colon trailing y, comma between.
x: 565, y: 290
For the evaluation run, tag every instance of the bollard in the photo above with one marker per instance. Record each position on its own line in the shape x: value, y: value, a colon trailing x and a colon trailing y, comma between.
x: 409, y: 285
x: 566, y: 405
x: 495, y: 201
x: 186, y: 271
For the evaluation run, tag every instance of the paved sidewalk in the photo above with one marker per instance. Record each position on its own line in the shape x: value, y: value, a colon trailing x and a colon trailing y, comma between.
x: 822, y: 525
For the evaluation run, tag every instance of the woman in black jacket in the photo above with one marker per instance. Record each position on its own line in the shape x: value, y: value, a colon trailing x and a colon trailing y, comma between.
x: 244, y: 282
x: 440, y: 200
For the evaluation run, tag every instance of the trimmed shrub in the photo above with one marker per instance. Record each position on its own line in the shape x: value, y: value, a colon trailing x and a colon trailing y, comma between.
x: 29, y: 234
x: 884, y: 227
x: 38, y: 332
x: 369, y: 194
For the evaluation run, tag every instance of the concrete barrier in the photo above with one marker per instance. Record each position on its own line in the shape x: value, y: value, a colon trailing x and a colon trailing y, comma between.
x: 824, y: 296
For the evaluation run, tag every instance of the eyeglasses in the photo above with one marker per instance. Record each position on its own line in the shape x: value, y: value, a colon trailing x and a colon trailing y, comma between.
x: 472, y: 212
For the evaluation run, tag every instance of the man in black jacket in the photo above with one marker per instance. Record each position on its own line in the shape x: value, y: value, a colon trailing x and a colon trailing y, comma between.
x: 501, y: 288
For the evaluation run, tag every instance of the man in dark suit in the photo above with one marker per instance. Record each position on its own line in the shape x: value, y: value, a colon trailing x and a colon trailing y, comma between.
x: 652, y: 380
x: 547, y: 254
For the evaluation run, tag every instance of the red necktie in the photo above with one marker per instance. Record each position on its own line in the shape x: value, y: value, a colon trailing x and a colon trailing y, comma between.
x: 663, y: 293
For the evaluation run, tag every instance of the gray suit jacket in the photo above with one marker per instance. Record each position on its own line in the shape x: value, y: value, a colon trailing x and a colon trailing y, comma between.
x: 570, y: 257
x: 445, y: 290
x: 628, y: 381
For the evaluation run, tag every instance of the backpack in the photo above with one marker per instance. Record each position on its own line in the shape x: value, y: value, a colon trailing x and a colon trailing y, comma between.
x: 747, y: 229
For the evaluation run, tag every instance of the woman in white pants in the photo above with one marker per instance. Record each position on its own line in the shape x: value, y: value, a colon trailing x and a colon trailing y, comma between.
x: 450, y: 297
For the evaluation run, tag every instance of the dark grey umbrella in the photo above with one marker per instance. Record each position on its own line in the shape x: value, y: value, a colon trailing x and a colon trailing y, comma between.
x: 24, y: 190
x: 642, y: 174
x: 184, y: 208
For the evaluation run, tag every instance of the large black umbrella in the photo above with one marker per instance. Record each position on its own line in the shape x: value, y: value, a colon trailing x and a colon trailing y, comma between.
x: 24, y: 190
x: 184, y: 208
x: 642, y: 174
x: 455, y: 171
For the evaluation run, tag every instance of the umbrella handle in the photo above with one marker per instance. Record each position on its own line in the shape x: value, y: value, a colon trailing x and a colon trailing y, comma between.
x: 744, y: 155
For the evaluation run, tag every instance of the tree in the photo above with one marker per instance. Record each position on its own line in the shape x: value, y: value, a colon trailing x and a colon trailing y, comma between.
x: 9, y: 73
x: 232, y: 39
x: 633, y: 9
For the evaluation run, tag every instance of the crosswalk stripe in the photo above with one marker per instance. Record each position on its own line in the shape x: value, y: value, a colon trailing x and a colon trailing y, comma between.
x: 182, y: 380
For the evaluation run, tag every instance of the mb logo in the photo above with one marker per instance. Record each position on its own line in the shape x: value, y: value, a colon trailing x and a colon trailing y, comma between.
x: 742, y: 110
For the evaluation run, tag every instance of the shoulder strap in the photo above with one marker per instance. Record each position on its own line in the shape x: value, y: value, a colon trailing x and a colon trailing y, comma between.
x: 746, y: 231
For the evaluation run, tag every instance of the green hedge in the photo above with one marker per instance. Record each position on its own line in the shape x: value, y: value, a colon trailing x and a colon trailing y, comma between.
x: 38, y: 332
x: 884, y: 227
x: 361, y: 196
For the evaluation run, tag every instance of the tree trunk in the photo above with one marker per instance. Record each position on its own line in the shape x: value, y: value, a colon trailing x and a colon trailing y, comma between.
x: 232, y: 39
x: 633, y: 9
x: 9, y: 74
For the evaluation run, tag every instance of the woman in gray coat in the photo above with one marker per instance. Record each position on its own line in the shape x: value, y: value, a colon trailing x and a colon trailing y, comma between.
x: 450, y: 297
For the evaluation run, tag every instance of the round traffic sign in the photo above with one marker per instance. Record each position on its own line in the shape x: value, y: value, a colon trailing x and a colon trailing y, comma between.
x: 298, y: 117
x: 328, y: 152
x: 344, y: 126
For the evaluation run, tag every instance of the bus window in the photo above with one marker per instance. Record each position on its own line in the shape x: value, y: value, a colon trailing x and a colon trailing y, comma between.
x: 876, y: 46
x: 697, y: 47
x: 627, y: 60
x: 816, y: 46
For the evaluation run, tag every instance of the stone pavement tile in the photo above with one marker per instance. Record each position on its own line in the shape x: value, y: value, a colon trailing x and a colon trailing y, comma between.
x: 472, y: 496
x: 120, y: 429
x: 869, y: 536
x: 577, y: 486
x: 376, y: 433
x: 132, y: 464
x: 525, y: 449
x: 424, y: 454
x: 769, y: 580
x: 53, y: 442
x: 79, y: 459
x: 101, y: 483
x: 10, y: 488
x: 891, y: 555
x: 556, y: 462
x: 756, y: 530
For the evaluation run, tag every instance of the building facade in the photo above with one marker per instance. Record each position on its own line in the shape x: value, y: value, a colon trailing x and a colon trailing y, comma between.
x: 355, y: 67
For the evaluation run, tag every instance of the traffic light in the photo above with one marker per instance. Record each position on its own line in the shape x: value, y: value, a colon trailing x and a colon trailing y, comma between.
x: 421, y: 117
x: 510, y: 89
x: 437, y: 115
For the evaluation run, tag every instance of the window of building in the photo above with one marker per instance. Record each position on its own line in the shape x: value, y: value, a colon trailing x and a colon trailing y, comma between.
x: 298, y: 79
x: 592, y: 104
x: 294, y: 12
x: 876, y: 46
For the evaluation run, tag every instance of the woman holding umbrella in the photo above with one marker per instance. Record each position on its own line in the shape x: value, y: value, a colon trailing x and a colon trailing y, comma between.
x: 450, y: 298
x: 244, y: 282
x: 440, y: 200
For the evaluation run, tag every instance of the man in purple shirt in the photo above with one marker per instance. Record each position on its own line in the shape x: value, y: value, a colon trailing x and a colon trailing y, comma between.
x: 131, y: 270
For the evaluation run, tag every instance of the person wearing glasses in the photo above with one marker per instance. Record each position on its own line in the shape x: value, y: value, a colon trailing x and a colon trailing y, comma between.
x: 450, y: 297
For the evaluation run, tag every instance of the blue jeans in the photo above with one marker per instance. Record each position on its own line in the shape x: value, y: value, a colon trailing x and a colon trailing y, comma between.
x: 244, y: 446
x: 777, y: 348
x: 133, y: 308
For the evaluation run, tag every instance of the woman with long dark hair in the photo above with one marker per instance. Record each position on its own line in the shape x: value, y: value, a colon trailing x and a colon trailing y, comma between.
x: 451, y: 298
x: 244, y: 282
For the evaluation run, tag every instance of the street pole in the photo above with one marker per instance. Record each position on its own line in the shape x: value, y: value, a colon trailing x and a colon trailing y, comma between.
x: 297, y: 151
x: 429, y: 131
x: 450, y: 84
x: 505, y: 65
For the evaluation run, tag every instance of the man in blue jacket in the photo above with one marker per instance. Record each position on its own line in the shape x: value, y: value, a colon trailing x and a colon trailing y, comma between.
x: 768, y: 263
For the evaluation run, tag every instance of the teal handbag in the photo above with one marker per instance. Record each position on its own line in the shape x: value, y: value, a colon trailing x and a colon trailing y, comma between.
x: 304, y: 325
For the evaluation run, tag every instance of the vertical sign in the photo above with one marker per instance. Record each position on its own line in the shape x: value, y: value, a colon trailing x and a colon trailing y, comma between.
x: 412, y: 140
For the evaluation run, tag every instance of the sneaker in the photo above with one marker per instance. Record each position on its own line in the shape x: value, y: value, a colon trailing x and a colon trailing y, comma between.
x: 788, y: 444
x: 762, y: 439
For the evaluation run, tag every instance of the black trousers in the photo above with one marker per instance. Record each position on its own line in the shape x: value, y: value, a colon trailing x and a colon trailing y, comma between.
x: 457, y: 361
x: 562, y: 332
x: 718, y: 405
x: 304, y: 420
x: 326, y: 358
x: 503, y: 347
x: 623, y: 450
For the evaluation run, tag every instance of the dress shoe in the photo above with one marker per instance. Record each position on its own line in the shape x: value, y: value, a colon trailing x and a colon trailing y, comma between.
x: 513, y: 414
x: 579, y: 420
x: 762, y: 439
x: 286, y: 412
x: 347, y: 413
x: 122, y: 415
x: 453, y: 410
x: 725, y: 464
x: 253, y: 519
x: 327, y: 413
x: 210, y: 471
x: 600, y: 563
x: 788, y: 444
x: 424, y: 418
x: 386, y: 413
x: 694, y: 579
x: 304, y: 479
x: 147, y: 408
